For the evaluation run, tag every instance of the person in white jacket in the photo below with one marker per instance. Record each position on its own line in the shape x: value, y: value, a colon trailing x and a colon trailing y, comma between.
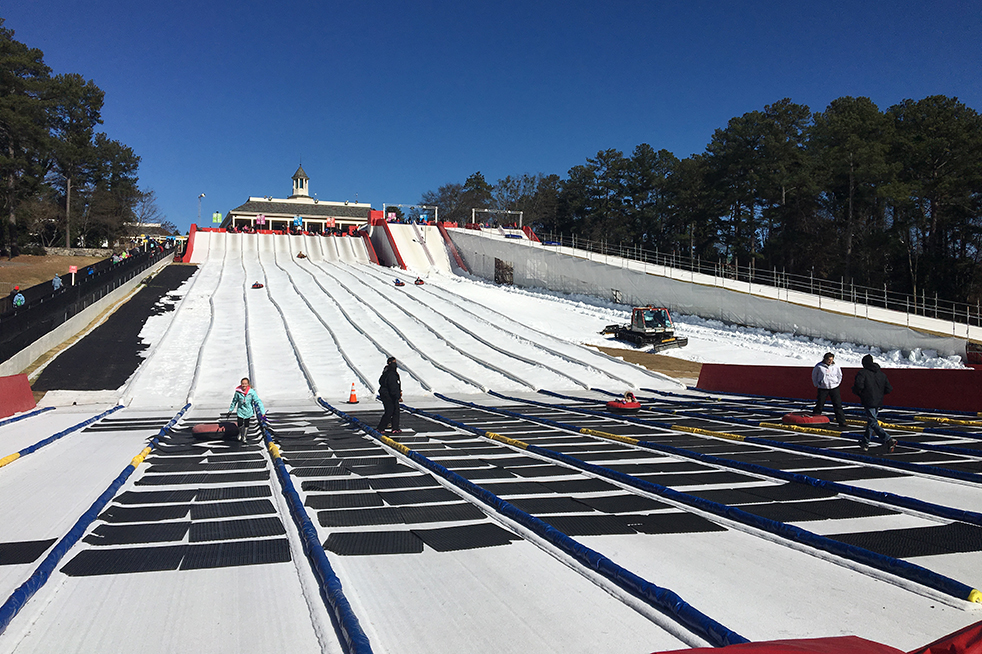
x: 827, y: 376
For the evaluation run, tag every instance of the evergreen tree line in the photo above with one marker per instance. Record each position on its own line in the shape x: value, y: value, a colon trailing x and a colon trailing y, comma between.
x: 61, y: 182
x: 879, y: 198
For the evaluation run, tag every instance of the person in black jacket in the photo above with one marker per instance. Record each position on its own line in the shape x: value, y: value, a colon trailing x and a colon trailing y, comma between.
x: 871, y: 385
x: 390, y: 392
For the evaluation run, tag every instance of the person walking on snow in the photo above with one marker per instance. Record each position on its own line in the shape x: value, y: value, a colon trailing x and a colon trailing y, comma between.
x: 827, y: 376
x: 390, y: 392
x: 871, y: 385
x: 242, y: 401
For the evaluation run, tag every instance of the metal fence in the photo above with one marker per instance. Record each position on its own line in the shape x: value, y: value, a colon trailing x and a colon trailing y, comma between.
x: 45, y: 309
x: 923, y: 305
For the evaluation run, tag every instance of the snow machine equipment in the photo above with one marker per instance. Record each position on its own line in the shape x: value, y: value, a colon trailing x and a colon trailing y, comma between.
x: 649, y: 325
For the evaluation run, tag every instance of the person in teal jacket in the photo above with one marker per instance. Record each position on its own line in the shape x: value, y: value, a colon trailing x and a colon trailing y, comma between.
x: 242, y: 405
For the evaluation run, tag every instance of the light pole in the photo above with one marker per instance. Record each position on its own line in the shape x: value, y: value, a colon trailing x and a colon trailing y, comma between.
x: 199, y: 207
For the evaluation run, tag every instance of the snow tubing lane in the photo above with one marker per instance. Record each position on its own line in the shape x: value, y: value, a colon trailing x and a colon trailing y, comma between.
x: 347, y: 626
x: 803, y: 419
x: 660, y: 598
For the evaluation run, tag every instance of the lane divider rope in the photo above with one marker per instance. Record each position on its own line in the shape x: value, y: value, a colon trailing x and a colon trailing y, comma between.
x: 347, y: 623
x: 10, y: 458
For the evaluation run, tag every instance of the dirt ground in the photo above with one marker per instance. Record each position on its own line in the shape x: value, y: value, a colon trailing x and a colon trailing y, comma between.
x: 27, y: 270
x: 685, y: 371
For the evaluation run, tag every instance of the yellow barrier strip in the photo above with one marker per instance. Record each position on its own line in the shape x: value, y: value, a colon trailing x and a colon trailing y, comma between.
x: 975, y: 596
x: 402, y: 449
x: 504, y: 439
x: 890, y: 425
x: 707, y: 432
x: 138, y: 459
x: 10, y: 457
x: 806, y: 430
x: 274, y: 451
x: 603, y: 434
x: 950, y: 421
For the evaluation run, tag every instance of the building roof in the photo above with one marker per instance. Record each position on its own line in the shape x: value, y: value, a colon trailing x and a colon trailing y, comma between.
x: 300, y: 174
x: 312, y: 209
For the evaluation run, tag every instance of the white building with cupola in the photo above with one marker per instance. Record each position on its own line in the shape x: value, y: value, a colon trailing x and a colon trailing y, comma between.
x: 300, y: 211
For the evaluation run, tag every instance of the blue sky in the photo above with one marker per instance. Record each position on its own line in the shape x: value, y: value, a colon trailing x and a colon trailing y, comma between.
x: 386, y: 100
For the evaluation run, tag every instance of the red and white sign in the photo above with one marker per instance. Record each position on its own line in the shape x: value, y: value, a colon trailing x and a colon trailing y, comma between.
x: 73, y: 269
x: 329, y: 222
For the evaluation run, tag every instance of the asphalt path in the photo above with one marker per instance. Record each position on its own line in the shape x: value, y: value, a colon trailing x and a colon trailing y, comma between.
x: 106, y: 357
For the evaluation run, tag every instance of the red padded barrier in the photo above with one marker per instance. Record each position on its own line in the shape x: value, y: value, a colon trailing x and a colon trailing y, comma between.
x: 15, y: 395
x: 189, y: 250
x: 918, y: 388
x: 833, y: 645
x: 966, y: 641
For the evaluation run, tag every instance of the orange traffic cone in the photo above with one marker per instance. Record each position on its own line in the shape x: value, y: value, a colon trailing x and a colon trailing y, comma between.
x: 353, y: 399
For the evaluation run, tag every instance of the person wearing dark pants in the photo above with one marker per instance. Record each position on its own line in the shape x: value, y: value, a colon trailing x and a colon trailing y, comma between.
x: 827, y: 376
x: 390, y: 392
x: 871, y: 385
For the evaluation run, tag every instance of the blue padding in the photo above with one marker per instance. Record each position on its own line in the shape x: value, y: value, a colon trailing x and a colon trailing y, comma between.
x: 19, y: 597
x: 888, y: 564
x: 51, y: 439
x: 346, y: 622
x: 660, y: 598
x: 26, y: 415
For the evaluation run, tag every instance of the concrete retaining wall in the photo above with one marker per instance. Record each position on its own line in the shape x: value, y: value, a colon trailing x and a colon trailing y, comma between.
x: 625, y: 281
x: 23, y: 359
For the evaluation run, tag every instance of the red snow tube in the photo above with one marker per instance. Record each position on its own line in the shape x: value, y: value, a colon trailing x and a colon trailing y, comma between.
x: 622, y: 406
x: 803, y: 419
x: 418, y: 282
x: 215, y: 430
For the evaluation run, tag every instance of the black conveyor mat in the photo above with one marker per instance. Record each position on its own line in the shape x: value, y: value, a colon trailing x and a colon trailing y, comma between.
x: 144, y: 513
x: 231, y: 509
x: 195, y: 479
x: 384, y: 515
x: 336, y: 485
x: 539, y: 505
x: 672, y: 523
x: 120, y: 561
x: 156, y: 497
x: 465, y: 537
x: 918, y: 541
x: 235, y: 529
x: 224, y: 555
x: 233, y: 493
x: 588, y: 525
x: 588, y: 485
x: 373, y: 542
x: 25, y: 551
x: 441, y: 513
x: 343, y: 501
x: 419, y: 496
x: 160, y: 532
x: 506, y: 488
x: 622, y: 503
x: 404, y: 481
